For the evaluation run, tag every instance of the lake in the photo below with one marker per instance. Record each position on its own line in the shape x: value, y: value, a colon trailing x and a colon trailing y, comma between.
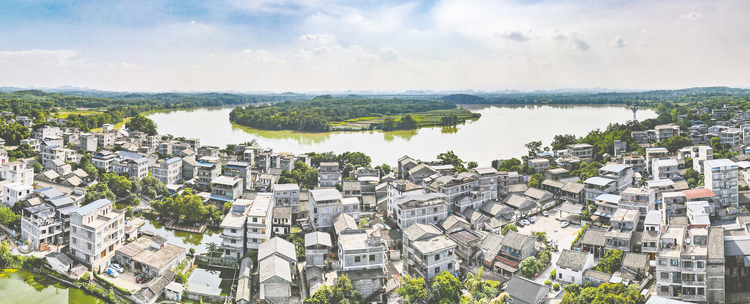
x: 500, y: 133
x: 21, y: 286
x: 183, y: 239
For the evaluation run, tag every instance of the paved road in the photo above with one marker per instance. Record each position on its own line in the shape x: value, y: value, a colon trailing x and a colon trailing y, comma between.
x: 563, y: 236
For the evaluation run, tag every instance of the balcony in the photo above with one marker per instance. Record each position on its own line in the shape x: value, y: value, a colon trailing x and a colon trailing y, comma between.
x: 230, y: 236
x: 694, y: 297
x: 693, y: 283
x: 230, y: 245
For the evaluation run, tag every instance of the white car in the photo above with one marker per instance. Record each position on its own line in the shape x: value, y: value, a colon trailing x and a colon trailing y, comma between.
x: 533, y: 219
x: 117, y: 267
x: 564, y: 224
x: 545, y: 213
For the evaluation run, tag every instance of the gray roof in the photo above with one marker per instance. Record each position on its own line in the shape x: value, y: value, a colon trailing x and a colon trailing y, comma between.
x: 275, y: 266
x: 351, y: 185
x: 318, y: 238
x: 61, y: 257
x: 158, y: 239
x: 594, y: 237
x: 520, y: 202
x: 574, y: 260
x: 659, y: 300
x: 418, y: 231
x: 495, y: 208
x: 491, y: 245
x: 525, y: 290
x: 343, y: 222
x: 325, y: 194
x: 635, y: 261
x: 653, y: 217
x: 599, y: 181
x: 715, y: 243
x: 282, y: 212
x: 92, y: 206
x: 573, y: 187
x: 516, y: 240
x: 276, y: 245
x: 602, y: 276
x: 454, y: 221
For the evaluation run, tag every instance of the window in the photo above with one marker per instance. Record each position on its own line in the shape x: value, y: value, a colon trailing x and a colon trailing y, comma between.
x: 687, y: 264
x: 357, y: 259
x: 74, y: 240
x: 665, y: 275
x: 665, y: 288
x: 372, y: 257
x: 674, y: 262
x: 234, y: 241
x: 700, y: 291
x: 234, y: 230
x: 450, y: 266
x: 700, y: 278
x: 701, y: 264
x: 88, y: 246
x: 255, y: 220
x: 450, y: 252
x: 437, y: 270
x: 437, y: 257
x: 74, y: 229
x: 434, y: 209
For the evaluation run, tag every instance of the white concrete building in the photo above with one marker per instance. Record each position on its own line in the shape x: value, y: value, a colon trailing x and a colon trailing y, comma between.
x: 17, y: 172
x: 721, y: 177
x: 665, y: 169
x: 14, y: 192
x: 168, y: 171
x: 572, y: 264
x: 259, y: 219
x: 233, y: 235
x: 96, y: 231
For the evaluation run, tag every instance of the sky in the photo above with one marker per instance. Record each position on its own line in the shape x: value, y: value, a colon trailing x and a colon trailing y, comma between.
x: 319, y: 45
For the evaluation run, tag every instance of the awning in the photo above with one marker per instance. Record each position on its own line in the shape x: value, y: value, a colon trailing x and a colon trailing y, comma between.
x: 506, y: 267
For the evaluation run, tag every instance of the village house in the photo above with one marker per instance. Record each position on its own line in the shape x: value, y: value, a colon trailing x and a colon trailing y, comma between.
x: 400, y: 188
x: 427, y: 251
x: 233, y: 236
x: 325, y: 205
x: 665, y: 168
x: 582, y: 151
x: 168, y: 171
x: 572, y: 264
x: 721, y: 177
x: 207, y: 171
x: 621, y: 174
x: 329, y: 174
x: 524, y: 291
x: 241, y: 170
x: 515, y: 248
x: 420, y: 173
x: 620, y: 233
x: 286, y: 195
x: 96, y: 231
x: 428, y: 208
x: 258, y: 226
x: 226, y: 188
x: 462, y: 191
x: 150, y: 256
x: 540, y: 165
x: 596, y: 186
x: 362, y: 258
x: 104, y: 159
x: 640, y: 199
x: 282, y: 220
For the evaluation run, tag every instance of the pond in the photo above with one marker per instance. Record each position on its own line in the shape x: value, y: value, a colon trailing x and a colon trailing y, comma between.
x: 21, y: 286
x: 182, y: 239
x: 500, y: 133
x: 211, y: 281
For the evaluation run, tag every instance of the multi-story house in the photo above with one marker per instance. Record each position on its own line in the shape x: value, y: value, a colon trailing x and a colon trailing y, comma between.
x: 34, y: 143
x: 286, y: 195
x: 637, y: 162
x: 652, y: 227
x: 104, y: 139
x: 581, y: 150
x: 621, y: 174
x: 286, y: 163
x: 133, y: 167
x: 14, y: 192
x: 673, y: 203
x: 206, y: 172
x: 700, y: 154
x: 665, y: 168
x: 233, y: 235
x: 317, y: 245
x: 681, y: 269
x: 104, y: 159
x: 539, y: 165
x: 361, y: 249
x: 655, y: 153
x: 17, y: 172
x: 596, y: 186
x: 241, y: 170
x: 607, y: 203
x: 329, y: 174
x: 165, y: 148
x: 399, y: 188
x: 731, y: 136
x: 168, y: 171
x: 664, y: 132
x: 722, y: 178
x: 428, y: 252
x: 515, y: 248
x: 259, y: 222
x: 47, y: 223
x: 640, y: 137
x: 428, y: 208
x: 46, y: 132
x: 208, y: 151
x: 282, y: 220
x: 226, y: 188
x: 193, y: 143
x: 640, y: 199
x: 96, y: 231
x: 462, y: 191
x: 325, y: 205
x: 88, y: 142
x: 572, y: 264
x: 620, y: 233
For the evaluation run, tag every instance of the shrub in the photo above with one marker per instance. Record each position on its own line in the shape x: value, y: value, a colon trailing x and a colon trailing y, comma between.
x: 85, y: 277
x: 553, y: 274
x: 547, y: 282
x: 556, y: 287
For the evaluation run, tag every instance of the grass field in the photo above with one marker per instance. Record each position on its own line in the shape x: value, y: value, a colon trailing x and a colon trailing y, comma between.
x: 65, y: 113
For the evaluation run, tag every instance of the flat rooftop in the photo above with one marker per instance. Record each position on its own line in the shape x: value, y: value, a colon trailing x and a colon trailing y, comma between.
x: 158, y: 258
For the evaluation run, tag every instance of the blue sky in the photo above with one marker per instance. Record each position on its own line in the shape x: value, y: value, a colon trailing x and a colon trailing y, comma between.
x: 315, y: 45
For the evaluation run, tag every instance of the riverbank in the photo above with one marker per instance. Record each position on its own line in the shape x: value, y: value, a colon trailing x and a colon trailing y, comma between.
x: 501, y: 133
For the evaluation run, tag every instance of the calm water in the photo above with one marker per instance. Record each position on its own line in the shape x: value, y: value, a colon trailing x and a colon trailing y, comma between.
x: 183, y: 239
x: 499, y: 134
x: 211, y: 281
x: 20, y: 286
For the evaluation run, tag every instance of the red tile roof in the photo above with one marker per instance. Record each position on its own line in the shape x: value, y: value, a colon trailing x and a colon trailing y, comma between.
x: 698, y: 193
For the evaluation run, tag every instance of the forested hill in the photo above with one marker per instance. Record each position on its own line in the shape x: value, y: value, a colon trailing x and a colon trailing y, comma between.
x: 647, y: 97
x: 316, y: 115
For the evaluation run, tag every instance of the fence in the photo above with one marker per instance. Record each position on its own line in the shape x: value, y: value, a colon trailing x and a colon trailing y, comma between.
x: 217, y: 262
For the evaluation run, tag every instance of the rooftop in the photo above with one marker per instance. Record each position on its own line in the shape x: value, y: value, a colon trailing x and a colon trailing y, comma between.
x: 574, y: 260
x: 93, y: 206
x: 158, y: 258
x: 435, y: 244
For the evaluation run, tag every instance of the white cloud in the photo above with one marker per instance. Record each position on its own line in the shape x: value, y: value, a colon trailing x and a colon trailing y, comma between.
x: 388, y: 54
x: 573, y: 39
x: 322, y: 38
x: 691, y: 15
x: 618, y: 42
x: 50, y: 57
x: 321, y: 50
x: 516, y: 35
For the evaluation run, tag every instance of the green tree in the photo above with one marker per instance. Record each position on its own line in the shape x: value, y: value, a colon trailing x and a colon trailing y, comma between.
x: 611, y: 262
x: 604, y: 294
x: 472, y: 165
x: 8, y: 218
x: 37, y: 167
x: 529, y: 267
x: 97, y: 192
x: 535, y: 147
x: 445, y: 287
x: 544, y: 257
x: 674, y: 143
x: 143, y: 124
x: 536, y: 180
x: 541, y: 236
x: 450, y: 158
x: 507, y: 228
x: 211, y: 248
x: 91, y: 171
x: 344, y: 292
x: 321, y: 296
x: 413, y: 290
x: 356, y: 159
x: 128, y: 211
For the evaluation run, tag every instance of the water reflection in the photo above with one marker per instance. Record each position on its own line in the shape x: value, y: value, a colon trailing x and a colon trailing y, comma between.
x: 183, y: 239
x: 211, y: 281
x: 20, y: 286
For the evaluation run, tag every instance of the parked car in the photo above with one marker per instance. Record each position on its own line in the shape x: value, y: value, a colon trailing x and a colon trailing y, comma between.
x: 112, y: 272
x: 564, y: 224
x: 520, y: 224
x: 526, y: 222
x: 545, y: 213
x: 533, y: 219
x: 117, y: 267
